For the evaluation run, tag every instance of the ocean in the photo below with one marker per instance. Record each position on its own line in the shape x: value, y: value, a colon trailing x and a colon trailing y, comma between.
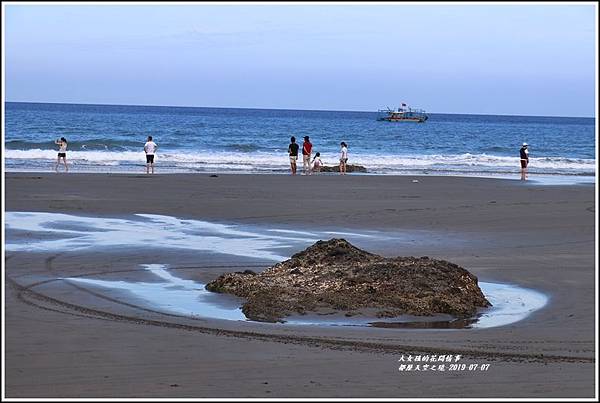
x: 109, y: 138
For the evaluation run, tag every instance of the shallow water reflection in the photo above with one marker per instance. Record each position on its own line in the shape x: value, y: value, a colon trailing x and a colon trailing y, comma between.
x: 71, y: 232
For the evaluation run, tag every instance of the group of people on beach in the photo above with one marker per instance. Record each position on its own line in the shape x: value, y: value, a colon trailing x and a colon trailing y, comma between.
x: 309, y: 166
x: 149, y: 148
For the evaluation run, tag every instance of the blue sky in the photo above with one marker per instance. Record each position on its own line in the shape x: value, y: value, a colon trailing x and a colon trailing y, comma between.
x: 496, y: 59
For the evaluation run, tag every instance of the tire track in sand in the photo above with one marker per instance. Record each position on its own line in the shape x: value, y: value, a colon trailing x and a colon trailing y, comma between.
x: 28, y: 295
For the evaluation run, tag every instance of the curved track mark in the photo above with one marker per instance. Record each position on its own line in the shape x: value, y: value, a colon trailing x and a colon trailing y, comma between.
x: 26, y: 294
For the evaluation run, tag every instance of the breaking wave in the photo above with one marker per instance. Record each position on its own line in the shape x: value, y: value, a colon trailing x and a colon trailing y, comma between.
x: 261, y: 161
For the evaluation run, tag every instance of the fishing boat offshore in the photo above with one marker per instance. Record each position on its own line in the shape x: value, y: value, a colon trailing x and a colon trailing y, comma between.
x: 403, y: 114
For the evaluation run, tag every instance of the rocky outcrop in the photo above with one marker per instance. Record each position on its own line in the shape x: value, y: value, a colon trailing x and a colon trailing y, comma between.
x: 349, y: 168
x: 335, y: 274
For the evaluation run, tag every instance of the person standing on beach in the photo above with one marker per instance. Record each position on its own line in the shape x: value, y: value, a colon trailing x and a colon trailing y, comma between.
x: 306, y: 152
x: 343, y: 158
x: 524, y: 153
x: 62, y: 153
x: 293, y: 152
x: 150, y: 148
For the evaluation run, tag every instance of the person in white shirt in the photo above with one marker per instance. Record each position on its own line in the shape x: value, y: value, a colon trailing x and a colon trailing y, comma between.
x: 150, y: 148
x: 343, y: 158
x: 62, y: 153
x: 317, y: 163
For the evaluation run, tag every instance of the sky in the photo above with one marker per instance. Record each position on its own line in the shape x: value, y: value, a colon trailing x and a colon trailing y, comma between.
x: 537, y: 59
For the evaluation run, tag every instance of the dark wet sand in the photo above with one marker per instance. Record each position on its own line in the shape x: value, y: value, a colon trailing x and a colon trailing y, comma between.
x: 66, y: 342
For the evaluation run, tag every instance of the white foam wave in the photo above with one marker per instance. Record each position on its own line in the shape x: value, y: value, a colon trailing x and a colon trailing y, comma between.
x: 264, y: 161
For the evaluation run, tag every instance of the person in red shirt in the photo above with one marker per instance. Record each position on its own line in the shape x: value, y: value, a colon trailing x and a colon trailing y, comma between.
x: 306, y: 151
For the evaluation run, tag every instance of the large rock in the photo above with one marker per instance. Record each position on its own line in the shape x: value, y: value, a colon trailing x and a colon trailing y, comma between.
x: 335, y: 274
x: 349, y: 168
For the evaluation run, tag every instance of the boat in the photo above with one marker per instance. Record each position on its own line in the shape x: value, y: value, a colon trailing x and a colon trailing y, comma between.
x: 403, y: 114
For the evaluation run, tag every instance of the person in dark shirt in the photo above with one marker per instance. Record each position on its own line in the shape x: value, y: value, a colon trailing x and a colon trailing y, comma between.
x: 293, y: 152
x: 524, y: 153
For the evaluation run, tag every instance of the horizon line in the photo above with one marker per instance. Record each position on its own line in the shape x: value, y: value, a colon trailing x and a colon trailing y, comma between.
x: 285, y: 109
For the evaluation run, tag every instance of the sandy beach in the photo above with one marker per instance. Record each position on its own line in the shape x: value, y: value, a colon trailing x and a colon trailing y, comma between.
x: 64, y: 340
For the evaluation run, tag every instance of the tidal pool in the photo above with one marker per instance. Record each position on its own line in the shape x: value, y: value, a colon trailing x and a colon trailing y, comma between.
x: 190, y: 298
x: 54, y: 232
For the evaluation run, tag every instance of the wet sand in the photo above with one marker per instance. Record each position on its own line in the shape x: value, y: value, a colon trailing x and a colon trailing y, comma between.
x: 62, y: 341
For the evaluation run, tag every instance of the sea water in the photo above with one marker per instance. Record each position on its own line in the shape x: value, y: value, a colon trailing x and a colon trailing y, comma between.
x: 105, y: 138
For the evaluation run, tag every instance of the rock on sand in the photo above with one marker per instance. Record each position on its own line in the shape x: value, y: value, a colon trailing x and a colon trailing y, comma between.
x: 336, y: 275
